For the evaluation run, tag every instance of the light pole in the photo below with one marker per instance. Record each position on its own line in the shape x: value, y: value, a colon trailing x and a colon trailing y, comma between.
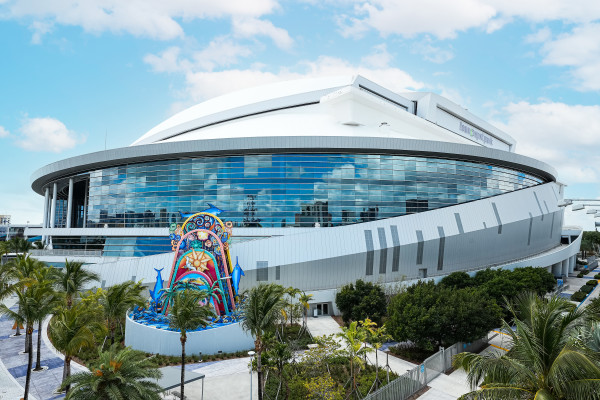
x: 251, y: 354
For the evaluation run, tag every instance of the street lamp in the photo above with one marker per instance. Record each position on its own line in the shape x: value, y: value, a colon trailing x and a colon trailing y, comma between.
x: 251, y: 354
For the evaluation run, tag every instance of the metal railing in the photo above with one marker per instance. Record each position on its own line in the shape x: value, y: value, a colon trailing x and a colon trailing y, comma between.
x: 70, y: 253
x: 417, y: 378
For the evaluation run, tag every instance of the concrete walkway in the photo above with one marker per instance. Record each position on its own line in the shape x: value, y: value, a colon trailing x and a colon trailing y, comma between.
x: 325, y: 325
x: 227, y: 379
x: 9, y: 387
x: 13, y: 364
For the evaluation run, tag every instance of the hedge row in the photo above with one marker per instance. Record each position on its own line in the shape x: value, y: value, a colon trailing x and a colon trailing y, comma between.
x: 578, y: 296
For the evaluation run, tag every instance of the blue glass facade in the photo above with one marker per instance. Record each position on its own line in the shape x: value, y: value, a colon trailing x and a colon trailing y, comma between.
x: 277, y: 190
x: 115, y: 246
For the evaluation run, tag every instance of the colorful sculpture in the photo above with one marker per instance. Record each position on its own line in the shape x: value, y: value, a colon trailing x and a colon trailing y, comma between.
x: 237, y: 275
x: 211, y: 210
x: 201, y: 262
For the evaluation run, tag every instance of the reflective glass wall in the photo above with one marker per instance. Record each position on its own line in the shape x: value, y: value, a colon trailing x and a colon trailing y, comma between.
x: 282, y: 190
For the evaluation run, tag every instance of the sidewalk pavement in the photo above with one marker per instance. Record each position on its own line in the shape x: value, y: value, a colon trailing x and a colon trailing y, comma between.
x: 13, y: 364
x: 227, y: 379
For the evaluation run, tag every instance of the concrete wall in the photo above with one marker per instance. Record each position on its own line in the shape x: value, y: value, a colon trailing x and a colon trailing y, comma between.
x: 228, y: 339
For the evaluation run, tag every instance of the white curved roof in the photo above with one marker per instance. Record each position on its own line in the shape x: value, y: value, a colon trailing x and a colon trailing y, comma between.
x: 268, y: 94
x: 346, y: 106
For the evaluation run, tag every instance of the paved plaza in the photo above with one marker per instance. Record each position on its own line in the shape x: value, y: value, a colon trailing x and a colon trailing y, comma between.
x: 13, y: 364
x: 223, y: 379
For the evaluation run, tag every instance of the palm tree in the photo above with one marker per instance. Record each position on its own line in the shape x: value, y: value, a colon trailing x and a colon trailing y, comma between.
x: 72, y: 279
x: 124, y: 374
x: 3, y: 251
x: 304, y: 299
x: 116, y: 300
x: 72, y: 330
x: 353, y: 338
x: 19, y: 245
x: 20, y: 272
x: 30, y: 303
x: 50, y: 300
x: 261, y: 310
x: 292, y: 292
x: 38, y: 245
x: 376, y: 337
x: 586, y: 246
x: 187, y: 314
x: 546, y: 360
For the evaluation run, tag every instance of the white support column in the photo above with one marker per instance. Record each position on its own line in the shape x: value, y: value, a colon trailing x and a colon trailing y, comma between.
x: 565, y: 267
x: 557, y: 270
x: 69, y: 204
x: 85, y: 203
x: 46, y: 195
x: 45, y: 224
x: 572, y: 264
x: 53, y: 205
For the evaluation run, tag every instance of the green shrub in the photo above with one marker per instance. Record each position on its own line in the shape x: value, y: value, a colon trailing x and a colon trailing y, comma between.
x: 592, y: 282
x: 586, y: 289
x: 411, y: 352
x: 578, y: 296
x: 361, y: 300
x: 597, y: 276
x: 580, y: 275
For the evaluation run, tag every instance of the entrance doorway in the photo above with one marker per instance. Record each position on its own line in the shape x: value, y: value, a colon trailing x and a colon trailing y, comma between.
x: 322, y: 308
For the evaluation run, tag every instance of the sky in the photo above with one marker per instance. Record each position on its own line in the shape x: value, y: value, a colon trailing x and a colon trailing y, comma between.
x: 79, y: 76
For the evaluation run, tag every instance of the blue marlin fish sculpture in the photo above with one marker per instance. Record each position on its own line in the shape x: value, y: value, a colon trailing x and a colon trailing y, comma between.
x: 211, y: 210
x: 158, y: 286
x: 236, y: 275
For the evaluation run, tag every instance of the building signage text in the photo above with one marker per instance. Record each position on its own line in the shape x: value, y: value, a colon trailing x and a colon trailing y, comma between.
x: 475, y: 134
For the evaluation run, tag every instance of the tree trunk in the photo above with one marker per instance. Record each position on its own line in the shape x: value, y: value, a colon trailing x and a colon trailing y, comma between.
x: 26, y: 340
x: 183, y: 339
x: 18, y: 331
x: 69, y: 301
x: 67, y: 372
x: 38, y: 356
x: 352, y: 374
x: 376, y: 371
x: 29, y: 361
x: 112, y: 335
x: 258, y: 346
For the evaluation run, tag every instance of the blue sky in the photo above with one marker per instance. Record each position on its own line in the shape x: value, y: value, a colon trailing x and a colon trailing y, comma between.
x: 77, y: 73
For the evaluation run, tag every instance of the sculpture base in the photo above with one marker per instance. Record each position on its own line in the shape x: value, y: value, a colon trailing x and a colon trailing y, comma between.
x: 227, y: 338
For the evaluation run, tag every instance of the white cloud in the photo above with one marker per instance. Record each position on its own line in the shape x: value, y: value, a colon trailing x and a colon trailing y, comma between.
x: 221, y: 52
x: 443, y: 19
x: 578, y: 11
x: 379, y: 58
x: 565, y: 136
x: 541, y: 36
x: 250, y: 26
x: 166, y: 61
x: 206, y: 84
x: 204, y: 80
x: 156, y: 19
x: 47, y: 134
x: 440, y: 18
x: 430, y: 52
x: 580, y: 50
x: 3, y: 132
x: 39, y: 28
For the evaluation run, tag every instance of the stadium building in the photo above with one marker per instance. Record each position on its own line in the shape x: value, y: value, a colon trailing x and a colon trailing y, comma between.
x: 325, y: 181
